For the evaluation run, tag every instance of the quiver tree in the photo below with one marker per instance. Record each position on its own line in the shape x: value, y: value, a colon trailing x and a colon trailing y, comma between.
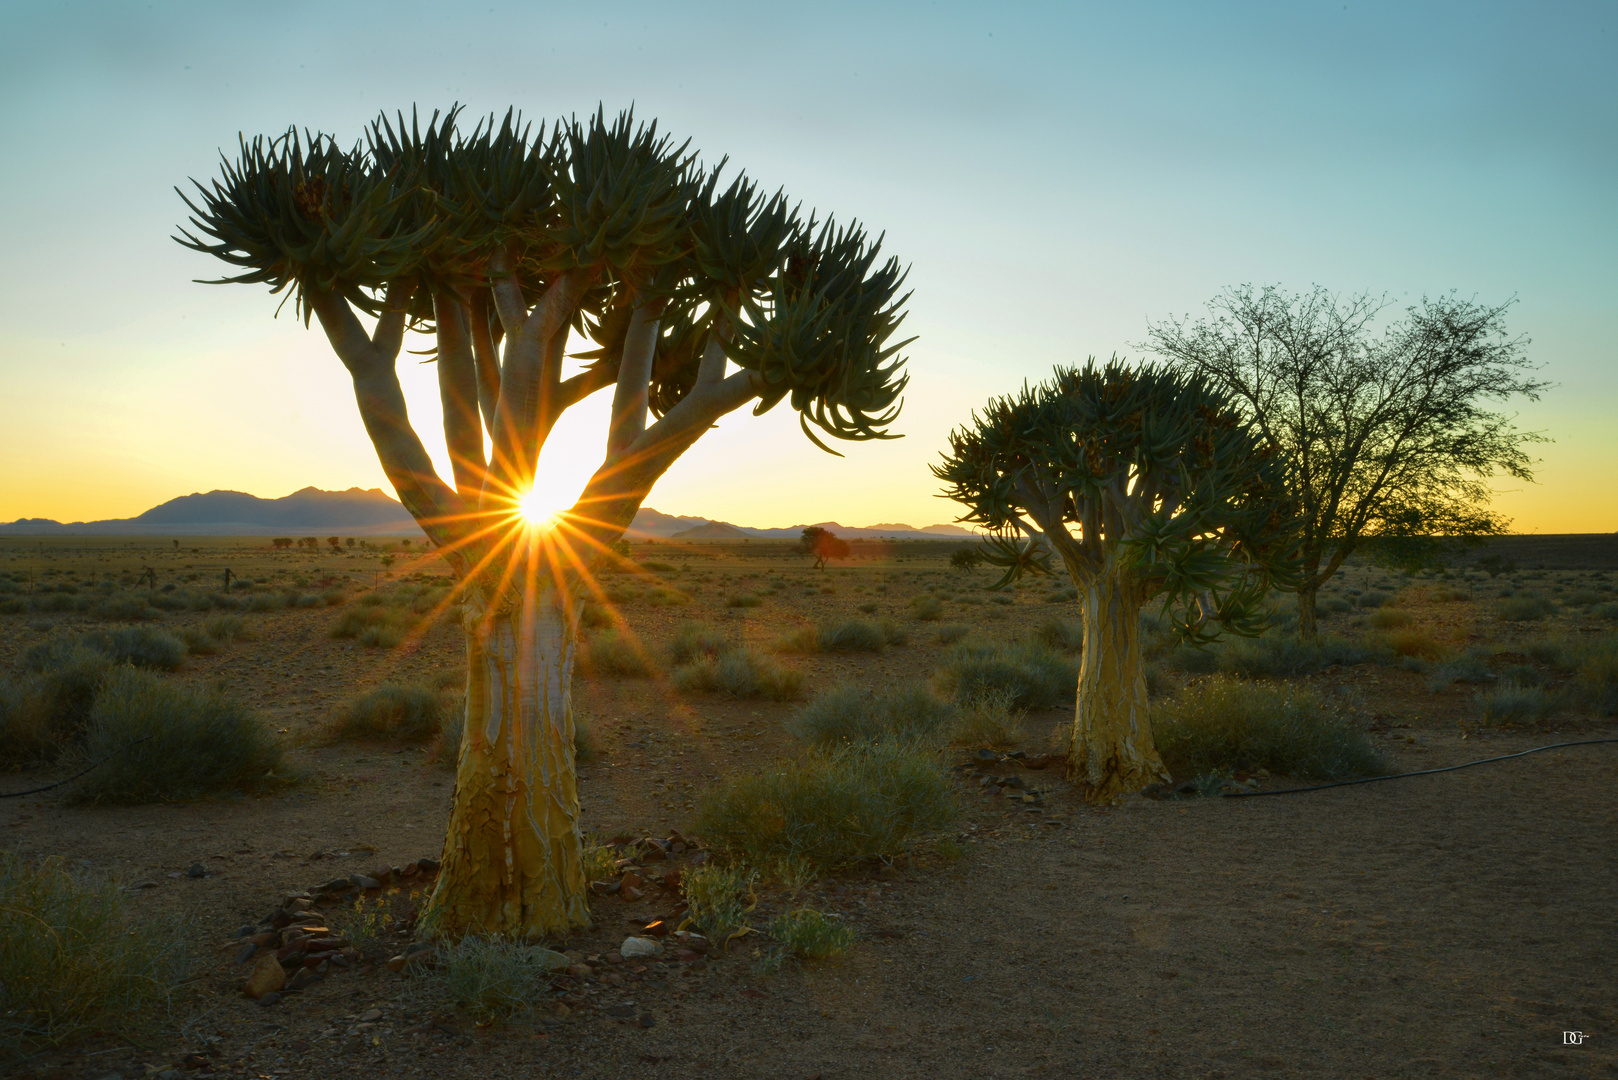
x: 822, y: 545
x: 697, y: 297
x: 1147, y: 485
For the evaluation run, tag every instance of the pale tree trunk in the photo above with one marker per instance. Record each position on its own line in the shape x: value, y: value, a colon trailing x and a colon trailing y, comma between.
x: 1112, y: 752
x: 512, y: 862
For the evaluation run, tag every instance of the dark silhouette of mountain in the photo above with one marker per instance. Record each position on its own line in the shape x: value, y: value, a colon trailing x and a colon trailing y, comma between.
x: 357, y: 511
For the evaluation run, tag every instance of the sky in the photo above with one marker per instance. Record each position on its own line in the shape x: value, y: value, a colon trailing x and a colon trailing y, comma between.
x: 1057, y: 176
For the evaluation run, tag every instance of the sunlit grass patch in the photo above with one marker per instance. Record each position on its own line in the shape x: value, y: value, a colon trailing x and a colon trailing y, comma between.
x: 1223, y: 724
x: 392, y: 712
x: 742, y: 673
x: 810, y: 934
x: 75, y: 958
x: 612, y: 653
x: 159, y: 740
x: 832, y: 808
x: 1034, y: 675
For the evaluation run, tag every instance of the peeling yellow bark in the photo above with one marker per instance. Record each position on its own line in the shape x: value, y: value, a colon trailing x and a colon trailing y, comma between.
x: 512, y: 861
x: 1113, y: 752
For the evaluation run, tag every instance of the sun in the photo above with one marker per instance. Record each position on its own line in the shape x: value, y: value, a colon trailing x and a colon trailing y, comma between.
x: 538, y: 510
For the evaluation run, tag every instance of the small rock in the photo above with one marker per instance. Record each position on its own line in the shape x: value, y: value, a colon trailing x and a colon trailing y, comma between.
x: 677, y: 848
x: 337, y: 885
x: 605, y: 888
x: 299, y: 1045
x: 268, y: 976
x: 246, y: 953
x: 549, y: 959
x: 370, y: 1016
x: 247, y: 931
x: 636, y: 947
x: 630, y: 880
x: 416, y: 948
x: 270, y: 999
x: 657, y: 928
x: 302, y: 978
x: 396, y: 964
x: 197, y: 870
x: 654, y: 853
x: 647, y: 1021
x: 629, y: 892
x: 699, y: 858
x: 364, y: 881
x: 672, y: 880
x: 427, y: 866
x: 139, y: 885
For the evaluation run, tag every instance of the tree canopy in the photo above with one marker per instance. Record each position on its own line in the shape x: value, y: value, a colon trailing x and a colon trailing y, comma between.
x: 1390, y: 433
x: 502, y: 241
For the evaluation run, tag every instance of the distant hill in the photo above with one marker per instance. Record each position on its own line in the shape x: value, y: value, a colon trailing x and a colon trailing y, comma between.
x: 355, y: 512
x: 372, y: 512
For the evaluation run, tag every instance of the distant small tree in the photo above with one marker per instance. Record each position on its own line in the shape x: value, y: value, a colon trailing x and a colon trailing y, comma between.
x: 1390, y: 434
x: 1146, y: 483
x: 822, y: 545
x: 966, y: 558
x: 309, y: 542
x: 349, y: 543
x: 282, y: 542
x: 336, y: 544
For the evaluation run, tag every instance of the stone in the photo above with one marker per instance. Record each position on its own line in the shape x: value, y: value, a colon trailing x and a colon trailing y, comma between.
x: 197, y: 870
x: 549, y: 959
x: 636, y: 947
x: 657, y: 928
x: 268, y: 976
x: 370, y: 1016
x: 605, y: 888
x: 427, y: 866
x: 246, y: 953
x: 335, y: 885
x: 247, y: 931
x: 646, y: 1020
x: 302, y: 978
x: 672, y: 880
x: 365, y: 881
x: 629, y: 892
x: 630, y: 880
x: 270, y: 999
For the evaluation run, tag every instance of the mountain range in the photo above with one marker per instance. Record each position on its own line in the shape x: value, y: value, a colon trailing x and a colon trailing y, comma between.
x: 372, y: 512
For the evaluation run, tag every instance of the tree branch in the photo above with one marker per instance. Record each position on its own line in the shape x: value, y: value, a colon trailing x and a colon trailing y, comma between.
x: 487, y: 355
x: 634, y: 380
x: 458, y: 394
x: 509, y: 301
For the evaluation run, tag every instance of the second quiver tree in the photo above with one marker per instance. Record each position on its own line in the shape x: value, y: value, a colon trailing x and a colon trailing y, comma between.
x: 1146, y: 484
x: 699, y: 298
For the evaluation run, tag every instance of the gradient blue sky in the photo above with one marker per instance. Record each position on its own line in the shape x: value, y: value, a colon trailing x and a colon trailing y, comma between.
x: 1057, y: 175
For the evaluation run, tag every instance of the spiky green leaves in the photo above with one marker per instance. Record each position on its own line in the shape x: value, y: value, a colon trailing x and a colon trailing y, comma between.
x: 1142, y: 467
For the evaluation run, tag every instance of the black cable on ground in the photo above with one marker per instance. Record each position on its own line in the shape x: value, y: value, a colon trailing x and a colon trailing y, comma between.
x: 1423, y: 772
x: 75, y: 776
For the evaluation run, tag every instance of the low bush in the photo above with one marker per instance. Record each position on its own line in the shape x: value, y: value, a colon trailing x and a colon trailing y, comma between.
x: 853, y: 635
x: 142, y: 646
x: 1513, y: 703
x: 611, y: 653
x: 1524, y: 607
x: 1470, y: 667
x: 159, y: 740
x: 718, y: 899
x: 1371, y: 598
x: 228, y: 628
x: 987, y: 719
x: 1280, y: 655
x: 950, y: 633
x: 1333, y: 605
x: 742, y: 673
x: 693, y: 641
x: 29, y: 733
x: 1411, y: 643
x: 1595, y: 682
x: 379, y: 626
x: 75, y: 958
x: 743, y: 600
x: 846, y: 714
x: 926, y: 608
x: 1033, y: 675
x: 1064, y: 634
x: 493, y: 978
x: 831, y: 809
x: 1390, y: 618
x: 1608, y: 611
x: 811, y: 935
x: 390, y: 713
x: 1225, y: 725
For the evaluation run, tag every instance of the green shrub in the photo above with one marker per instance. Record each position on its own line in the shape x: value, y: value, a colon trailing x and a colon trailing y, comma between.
x: 803, y: 641
x: 1513, y: 703
x: 1595, y: 683
x: 742, y: 673
x: 198, y: 643
x: 987, y: 719
x: 163, y: 740
x: 494, y: 978
x: 1033, y: 675
x: 390, y: 713
x: 692, y: 641
x: 1061, y: 596
x: 29, y: 732
x: 853, y: 635
x: 228, y: 628
x: 1469, y: 667
x: 1223, y: 724
x: 810, y: 934
x: 123, y: 609
x: 142, y: 646
x: 846, y: 714
x: 1333, y: 605
x: 867, y: 608
x: 743, y: 600
x: 831, y: 809
x: 926, y: 608
x: 666, y: 597
x: 1281, y: 655
x: 611, y: 653
x: 75, y: 958
x: 378, y: 626
x: 1524, y: 607
x: 1064, y: 634
x: 1608, y: 611
x: 1371, y: 598
x: 950, y: 633
x: 1389, y: 618
x: 718, y: 899
x: 1411, y: 643
x: 594, y: 616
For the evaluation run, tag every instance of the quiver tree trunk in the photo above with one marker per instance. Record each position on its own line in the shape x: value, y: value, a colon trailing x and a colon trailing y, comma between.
x: 1112, y: 752
x: 512, y: 854
x: 1308, y: 624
